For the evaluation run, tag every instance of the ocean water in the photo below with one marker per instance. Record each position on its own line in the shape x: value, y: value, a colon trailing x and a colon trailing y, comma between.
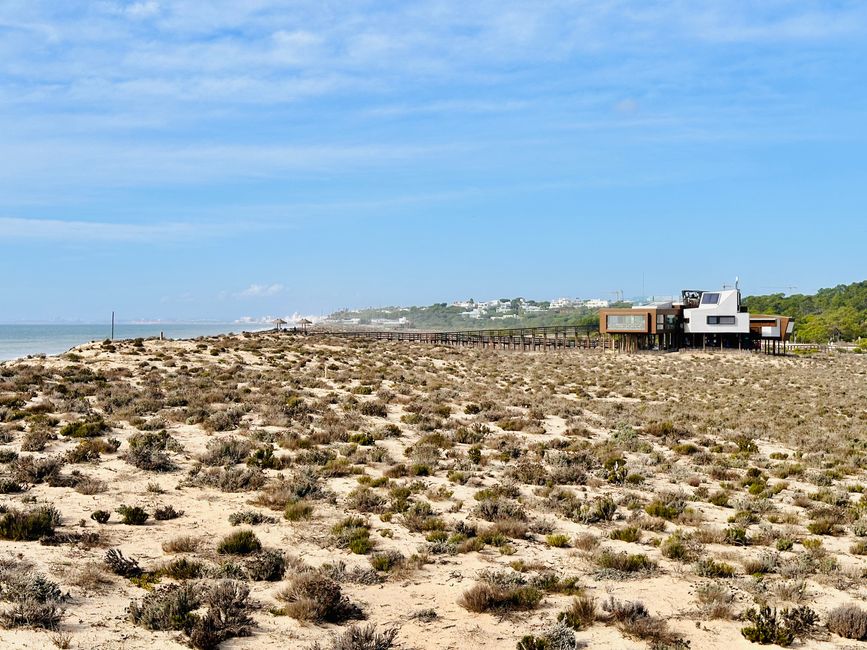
x: 21, y: 340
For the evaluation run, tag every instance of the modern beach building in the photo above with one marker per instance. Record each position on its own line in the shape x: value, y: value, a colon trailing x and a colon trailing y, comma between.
x: 702, y: 319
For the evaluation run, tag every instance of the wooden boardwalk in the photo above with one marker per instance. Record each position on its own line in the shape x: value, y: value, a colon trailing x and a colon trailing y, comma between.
x: 519, y: 338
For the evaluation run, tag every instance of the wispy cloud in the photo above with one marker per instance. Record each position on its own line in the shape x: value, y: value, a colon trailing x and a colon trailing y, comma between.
x: 260, y: 291
x: 12, y: 228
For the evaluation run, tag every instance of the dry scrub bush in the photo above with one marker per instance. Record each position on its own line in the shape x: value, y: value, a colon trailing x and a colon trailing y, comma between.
x: 234, y: 479
x: 623, y: 562
x: 147, y: 451
x: 90, y: 577
x: 182, y: 544
x: 173, y: 607
x: 166, y: 608
x: 120, y: 565
x: 304, y: 485
x: 360, y: 638
x: 848, y: 621
x: 314, y: 597
x: 557, y: 636
x: 633, y: 619
x: 36, y: 601
x: 226, y: 617
x: 715, y: 600
x: 580, y: 614
x: 29, y: 469
x: 484, y: 597
x: 226, y: 451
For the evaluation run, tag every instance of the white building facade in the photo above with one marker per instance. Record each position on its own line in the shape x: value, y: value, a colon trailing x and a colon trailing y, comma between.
x: 718, y: 312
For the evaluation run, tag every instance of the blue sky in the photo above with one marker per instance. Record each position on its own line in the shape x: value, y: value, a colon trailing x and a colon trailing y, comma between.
x: 182, y: 159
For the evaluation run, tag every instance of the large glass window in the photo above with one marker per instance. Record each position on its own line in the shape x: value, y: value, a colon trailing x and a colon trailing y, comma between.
x: 721, y: 320
x: 710, y: 298
x: 626, y: 322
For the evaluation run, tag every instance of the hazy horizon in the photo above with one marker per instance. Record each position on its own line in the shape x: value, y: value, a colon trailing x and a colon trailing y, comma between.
x: 178, y: 161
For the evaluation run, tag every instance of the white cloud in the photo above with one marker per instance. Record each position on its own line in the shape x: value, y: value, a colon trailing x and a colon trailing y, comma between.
x: 628, y: 105
x: 143, y: 9
x: 260, y: 291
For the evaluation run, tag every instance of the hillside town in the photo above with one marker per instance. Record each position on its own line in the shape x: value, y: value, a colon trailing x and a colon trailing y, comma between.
x: 470, y: 313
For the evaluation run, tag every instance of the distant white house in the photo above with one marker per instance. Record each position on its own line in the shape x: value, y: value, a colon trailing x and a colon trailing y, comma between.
x: 595, y: 303
x: 391, y: 322
x: 562, y: 303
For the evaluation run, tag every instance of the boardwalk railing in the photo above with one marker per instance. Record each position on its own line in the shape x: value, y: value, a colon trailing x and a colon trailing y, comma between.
x: 519, y: 338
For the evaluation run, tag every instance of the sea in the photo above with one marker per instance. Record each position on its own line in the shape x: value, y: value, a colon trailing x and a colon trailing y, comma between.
x: 18, y: 341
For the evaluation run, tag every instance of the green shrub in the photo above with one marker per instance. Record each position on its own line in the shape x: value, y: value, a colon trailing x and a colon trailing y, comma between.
x: 557, y: 541
x: 555, y: 637
x: 386, y: 561
x: 168, y: 608
x: 736, y: 536
x: 298, y: 510
x: 373, y: 409
x: 580, y: 614
x: 242, y: 542
x: 626, y: 534
x: 11, y: 486
x: 676, y: 547
x: 250, y: 517
x: 353, y: 533
x: 269, y: 565
x: 84, y: 429
x: 167, y: 513
x: 623, y: 561
x: 824, y: 526
x: 132, y: 515
x: 767, y: 628
x: 591, y: 512
x: 21, y: 526
x: 709, y: 568
x: 148, y: 451
x: 363, y: 439
x: 100, y: 516
x: 665, y: 508
x: 120, y: 565
x: 183, y: 569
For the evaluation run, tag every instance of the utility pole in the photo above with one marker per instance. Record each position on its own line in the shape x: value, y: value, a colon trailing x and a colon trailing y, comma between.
x: 112, y: 326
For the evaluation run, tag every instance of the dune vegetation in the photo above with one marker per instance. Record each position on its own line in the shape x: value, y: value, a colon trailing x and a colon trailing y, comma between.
x: 274, y: 490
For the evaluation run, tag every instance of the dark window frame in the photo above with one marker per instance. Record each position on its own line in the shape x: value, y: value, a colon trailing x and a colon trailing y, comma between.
x: 722, y: 320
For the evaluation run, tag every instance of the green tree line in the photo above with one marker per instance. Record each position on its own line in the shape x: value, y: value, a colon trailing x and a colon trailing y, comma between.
x: 838, y: 313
